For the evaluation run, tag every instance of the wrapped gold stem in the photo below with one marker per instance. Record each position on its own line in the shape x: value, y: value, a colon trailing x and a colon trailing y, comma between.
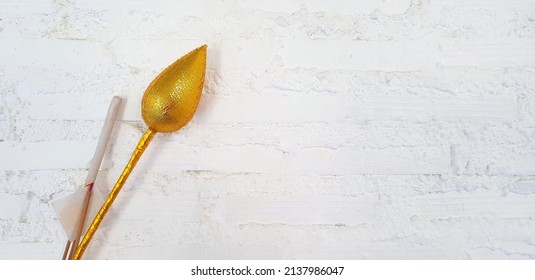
x: 140, y: 148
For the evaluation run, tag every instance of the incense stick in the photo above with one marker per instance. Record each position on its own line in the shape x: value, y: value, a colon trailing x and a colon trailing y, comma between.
x: 111, y: 116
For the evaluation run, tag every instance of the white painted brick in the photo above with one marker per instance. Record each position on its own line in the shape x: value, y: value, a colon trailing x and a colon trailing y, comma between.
x: 408, y: 55
x: 247, y: 158
x: 342, y: 7
x: 526, y: 186
x: 297, y: 108
x: 516, y: 159
x: 45, y: 155
x: 89, y: 56
x: 349, y: 160
x: 522, y: 4
x: 26, y: 7
x: 288, y: 107
x: 158, y: 53
x: 274, y: 209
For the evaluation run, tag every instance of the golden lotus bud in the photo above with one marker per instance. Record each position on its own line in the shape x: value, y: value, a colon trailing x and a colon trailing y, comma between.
x: 172, y: 98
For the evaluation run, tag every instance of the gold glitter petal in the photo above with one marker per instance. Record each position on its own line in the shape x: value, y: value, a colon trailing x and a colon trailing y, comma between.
x: 172, y: 98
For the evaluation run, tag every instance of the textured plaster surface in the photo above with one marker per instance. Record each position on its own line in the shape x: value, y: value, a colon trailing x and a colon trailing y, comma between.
x: 327, y: 129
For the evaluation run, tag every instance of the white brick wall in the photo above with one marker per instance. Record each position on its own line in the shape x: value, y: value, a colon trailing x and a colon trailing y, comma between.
x: 327, y: 129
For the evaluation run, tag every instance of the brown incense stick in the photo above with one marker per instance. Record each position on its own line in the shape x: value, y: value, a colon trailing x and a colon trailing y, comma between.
x: 111, y: 116
x: 66, y: 251
x: 81, y: 220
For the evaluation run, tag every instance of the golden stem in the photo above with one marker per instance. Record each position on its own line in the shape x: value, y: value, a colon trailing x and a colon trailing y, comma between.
x: 140, y: 148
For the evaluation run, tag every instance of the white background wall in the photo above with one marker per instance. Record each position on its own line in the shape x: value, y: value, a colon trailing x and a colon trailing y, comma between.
x: 327, y: 129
